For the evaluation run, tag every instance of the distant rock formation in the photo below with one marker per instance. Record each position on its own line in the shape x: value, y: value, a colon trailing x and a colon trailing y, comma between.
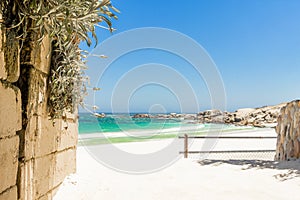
x: 102, y: 115
x: 211, y: 116
x: 142, y: 116
x: 259, y: 117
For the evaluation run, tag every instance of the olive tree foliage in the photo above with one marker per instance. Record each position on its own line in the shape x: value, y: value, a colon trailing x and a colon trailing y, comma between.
x: 66, y: 23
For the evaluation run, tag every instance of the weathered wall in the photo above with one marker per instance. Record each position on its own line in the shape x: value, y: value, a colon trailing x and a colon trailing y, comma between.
x: 35, y: 153
x: 10, y: 123
x: 288, y: 132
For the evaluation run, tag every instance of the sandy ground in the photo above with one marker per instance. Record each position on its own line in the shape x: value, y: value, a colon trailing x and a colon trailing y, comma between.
x: 224, y: 177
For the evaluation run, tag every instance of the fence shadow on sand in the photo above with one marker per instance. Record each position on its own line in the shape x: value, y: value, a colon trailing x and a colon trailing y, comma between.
x: 290, y: 169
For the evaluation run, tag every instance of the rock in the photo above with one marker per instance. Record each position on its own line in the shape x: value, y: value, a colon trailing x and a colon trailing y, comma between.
x: 210, y: 113
x: 243, y: 123
x: 141, y: 116
x: 259, y: 117
x: 189, y: 117
x: 102, y: 115
x: 238, y: 119
x: 288, y: 129
x: 244, y: 112
x: 218, y: 119
x: 160, y: 116
x: 211, y: 116
x: 258, y: 124
x: 297, y: 148
x: 250, y: 120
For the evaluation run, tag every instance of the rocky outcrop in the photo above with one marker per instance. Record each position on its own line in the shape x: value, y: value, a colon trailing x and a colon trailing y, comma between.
x: 142, y: 116
x: 211, y: 116
x: 102, y: 115
x: 288, y: 132
x: 258, y: 117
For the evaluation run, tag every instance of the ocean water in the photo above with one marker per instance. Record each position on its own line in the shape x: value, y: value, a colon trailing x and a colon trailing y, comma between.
x: 89, y: 124
x: 124, y: 122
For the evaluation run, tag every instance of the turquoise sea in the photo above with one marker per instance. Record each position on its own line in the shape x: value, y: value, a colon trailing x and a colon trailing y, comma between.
x: 114, y: 123
x: 116, y: 128
x: 124, y: 122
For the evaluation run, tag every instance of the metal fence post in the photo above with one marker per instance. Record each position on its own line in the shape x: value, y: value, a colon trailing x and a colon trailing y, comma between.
x: 186, y: 148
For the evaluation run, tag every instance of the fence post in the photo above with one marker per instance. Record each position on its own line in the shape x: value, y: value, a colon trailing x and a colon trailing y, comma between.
x: 186, y: 148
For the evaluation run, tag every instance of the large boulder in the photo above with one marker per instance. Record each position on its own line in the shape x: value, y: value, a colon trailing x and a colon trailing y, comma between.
x: 288, y: 132
x: 242, y: 113
x: 259, y: 117
x: 211, y: 116
x: 210, y: 113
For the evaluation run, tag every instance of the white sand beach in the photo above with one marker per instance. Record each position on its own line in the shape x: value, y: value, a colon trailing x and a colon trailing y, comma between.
x: 224, y: 176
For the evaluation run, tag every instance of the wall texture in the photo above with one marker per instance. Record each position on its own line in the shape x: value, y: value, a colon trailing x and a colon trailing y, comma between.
x: 288, y: 132
x: 36, y: 153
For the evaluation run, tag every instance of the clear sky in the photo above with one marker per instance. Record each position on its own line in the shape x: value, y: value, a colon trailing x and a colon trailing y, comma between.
x: 255, y: 45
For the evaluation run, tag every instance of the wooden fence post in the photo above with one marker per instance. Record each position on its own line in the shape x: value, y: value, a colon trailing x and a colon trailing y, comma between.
x: 186, y: 148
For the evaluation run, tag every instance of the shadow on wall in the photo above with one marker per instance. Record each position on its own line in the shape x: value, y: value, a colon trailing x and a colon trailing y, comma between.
x: 292, y: 167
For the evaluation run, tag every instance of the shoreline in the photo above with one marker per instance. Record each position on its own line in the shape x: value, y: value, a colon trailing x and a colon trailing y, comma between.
x: 147, y: 135
x: 194, y: 144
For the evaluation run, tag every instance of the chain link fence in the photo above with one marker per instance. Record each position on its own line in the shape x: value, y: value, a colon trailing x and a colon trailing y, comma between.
x: 230, y: 147
x: 261, y: 155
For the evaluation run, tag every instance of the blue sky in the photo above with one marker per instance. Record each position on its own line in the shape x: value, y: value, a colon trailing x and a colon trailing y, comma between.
x: 255, y: 45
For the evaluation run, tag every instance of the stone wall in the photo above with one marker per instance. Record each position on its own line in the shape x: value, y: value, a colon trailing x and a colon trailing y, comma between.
x: 10, y: 123
x: 36, y: 153
x: 288, y: 132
